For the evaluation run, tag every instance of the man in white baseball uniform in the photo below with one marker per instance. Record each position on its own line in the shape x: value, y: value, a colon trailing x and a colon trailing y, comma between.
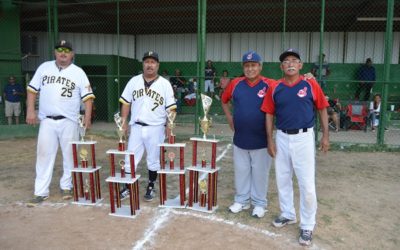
x: 62, y: 86
x: 148, y: 97
x: 293, y: 101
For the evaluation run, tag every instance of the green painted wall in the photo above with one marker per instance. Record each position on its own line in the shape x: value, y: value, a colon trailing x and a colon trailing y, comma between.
x: 10, y: 56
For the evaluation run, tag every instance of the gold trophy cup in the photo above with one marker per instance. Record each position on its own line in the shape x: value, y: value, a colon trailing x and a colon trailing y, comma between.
x: 82, y: 128
x: 83, y: 153
x: 205, y: 122
x: 171, y: 125
x: 203, y: 192
x: 119, y: 121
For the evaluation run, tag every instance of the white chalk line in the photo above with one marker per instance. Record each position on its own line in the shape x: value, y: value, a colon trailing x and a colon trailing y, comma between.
x: 160, y: 218
x: 227, y: 222
x: 151, y: 231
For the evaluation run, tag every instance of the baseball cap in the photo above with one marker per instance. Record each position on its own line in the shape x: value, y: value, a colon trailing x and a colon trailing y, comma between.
x: 289, y: 52
x: 251, y: 56
x: 150, y: 54
x: 63, y: 44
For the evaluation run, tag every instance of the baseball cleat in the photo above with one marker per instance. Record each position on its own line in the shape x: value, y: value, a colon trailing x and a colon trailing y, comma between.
x: 237, y: 207
x: 258, y: 212
x: 36, y: 201
x: 149, y: 193
x: 124, y: 193
x: 282, y: 221
x: 305, y: 237
x: 66, y: 194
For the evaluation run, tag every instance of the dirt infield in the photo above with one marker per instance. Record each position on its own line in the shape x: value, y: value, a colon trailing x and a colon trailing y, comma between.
x: 358, y: 199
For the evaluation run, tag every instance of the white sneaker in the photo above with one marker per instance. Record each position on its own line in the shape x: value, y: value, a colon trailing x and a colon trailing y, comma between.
x: 258, y: 212
x: 237, y: 207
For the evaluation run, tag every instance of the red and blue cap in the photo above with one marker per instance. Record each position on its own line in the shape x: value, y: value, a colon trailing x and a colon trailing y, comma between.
x: 251, y: 56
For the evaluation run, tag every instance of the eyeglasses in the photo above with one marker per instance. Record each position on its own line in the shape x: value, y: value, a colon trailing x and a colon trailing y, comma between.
x: 287, y: 62
x: 65, y: 50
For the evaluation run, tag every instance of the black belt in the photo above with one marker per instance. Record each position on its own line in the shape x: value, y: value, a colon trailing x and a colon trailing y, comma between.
x: 294, y: 131
x: 142, y: 123
x: 56, y: 117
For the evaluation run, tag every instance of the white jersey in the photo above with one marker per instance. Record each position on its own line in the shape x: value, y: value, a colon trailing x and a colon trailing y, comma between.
x: 148, y: 105
x: 61, y: 90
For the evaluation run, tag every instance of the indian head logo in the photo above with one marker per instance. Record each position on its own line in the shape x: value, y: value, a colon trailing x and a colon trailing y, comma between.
x: 302, y: 92
x: 261, y: 92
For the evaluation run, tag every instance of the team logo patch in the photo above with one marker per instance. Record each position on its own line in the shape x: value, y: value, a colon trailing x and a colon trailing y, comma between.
x: 249, y: 56
x: 261, y: 92
x: 302, y: 92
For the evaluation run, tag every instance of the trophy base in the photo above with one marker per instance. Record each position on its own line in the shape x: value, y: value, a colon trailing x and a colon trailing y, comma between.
x: 197, y: 207
x: 118, y: 179
x: 82, y: 201
x: 125, y: 212
x: 174, y: 203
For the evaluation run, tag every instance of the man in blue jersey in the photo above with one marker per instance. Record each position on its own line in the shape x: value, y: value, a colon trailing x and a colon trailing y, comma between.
x: 251, y: 161
x: 293, y: 101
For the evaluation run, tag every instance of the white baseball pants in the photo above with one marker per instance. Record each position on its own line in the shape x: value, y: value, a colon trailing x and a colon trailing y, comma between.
x: 51, y: 134
x: 296, y: 153
x: 145, y: 137
x: 251, y: 175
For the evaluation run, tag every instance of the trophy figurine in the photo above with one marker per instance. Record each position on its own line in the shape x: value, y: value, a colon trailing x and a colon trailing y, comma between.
x: 82, y: 128
x: 203, y: 192
x: 122, y: 165
x: 205, y: 123
x: 171, y: 125
x: 83, y: 153
x: 87, y: 189
x: 120, y: 131
x: 171, y: 156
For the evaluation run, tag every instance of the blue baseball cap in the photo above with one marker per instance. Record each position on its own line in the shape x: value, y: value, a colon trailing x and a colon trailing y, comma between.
x: 251, y: 56
x: 289, y: 52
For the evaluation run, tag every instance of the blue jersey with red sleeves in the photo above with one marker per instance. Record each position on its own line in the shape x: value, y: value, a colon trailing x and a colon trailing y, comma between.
x: 293, y: 104
x: 248, y: 119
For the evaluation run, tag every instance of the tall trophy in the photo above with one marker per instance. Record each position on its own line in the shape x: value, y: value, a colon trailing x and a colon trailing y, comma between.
x: 207, y: 187
x: 205, y: 122
x: 120, y: 131
x: 82, y: 128
x: 171, y: 125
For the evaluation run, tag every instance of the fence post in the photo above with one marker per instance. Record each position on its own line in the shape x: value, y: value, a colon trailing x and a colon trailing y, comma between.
x: 386, y: 71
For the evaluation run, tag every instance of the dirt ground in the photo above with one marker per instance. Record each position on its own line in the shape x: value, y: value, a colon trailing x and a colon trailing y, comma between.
x: 358, y: 201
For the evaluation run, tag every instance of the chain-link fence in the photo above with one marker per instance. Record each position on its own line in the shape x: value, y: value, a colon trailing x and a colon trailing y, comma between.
x: 352, y: 47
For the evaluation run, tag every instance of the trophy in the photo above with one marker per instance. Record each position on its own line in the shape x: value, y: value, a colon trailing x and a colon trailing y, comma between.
x: 203, y: 192
x: 205, y: 123
x: 82, y: 128
x: 171, y: 125
x: 120, y: 131
x: 83, y: 153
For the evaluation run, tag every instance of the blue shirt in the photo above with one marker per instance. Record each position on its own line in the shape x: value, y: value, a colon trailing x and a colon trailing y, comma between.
x: 10, y: 89
x: 248, y: 119
x: 366, y: 73
x: 293, y: 104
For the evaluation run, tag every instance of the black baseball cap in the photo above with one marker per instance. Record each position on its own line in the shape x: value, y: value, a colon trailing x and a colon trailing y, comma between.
x: 289, y: 52
x: 150, y: 54
x: 63, y: 44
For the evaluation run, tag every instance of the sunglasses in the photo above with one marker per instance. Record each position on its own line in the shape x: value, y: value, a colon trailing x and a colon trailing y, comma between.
x: 65, y: 50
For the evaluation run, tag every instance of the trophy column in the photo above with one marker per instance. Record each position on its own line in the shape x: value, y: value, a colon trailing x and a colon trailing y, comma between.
x: 85, y: 174
x: 205, y: 187
x: 171, y: 169
x: 120, y: 177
